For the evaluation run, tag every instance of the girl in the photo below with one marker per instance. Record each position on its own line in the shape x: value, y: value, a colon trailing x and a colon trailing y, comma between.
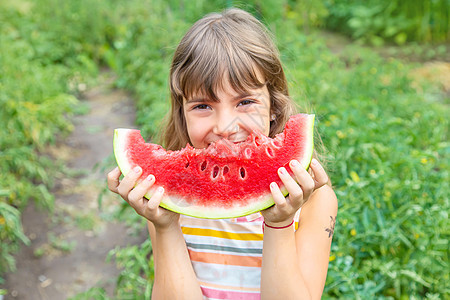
x: 226, y: 80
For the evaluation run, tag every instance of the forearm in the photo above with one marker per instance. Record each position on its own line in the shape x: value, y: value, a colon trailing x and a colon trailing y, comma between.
x: 174, y: 275
x: 281, y: 277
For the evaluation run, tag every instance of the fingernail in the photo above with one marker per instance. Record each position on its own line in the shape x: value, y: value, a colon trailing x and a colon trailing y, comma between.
x: 282, y: 170
x: 314, y: 161
x: 273, y: 185
x: 137, y: 169
x: 295, y: 163
x: 160, y: 189
x: 150, y: 177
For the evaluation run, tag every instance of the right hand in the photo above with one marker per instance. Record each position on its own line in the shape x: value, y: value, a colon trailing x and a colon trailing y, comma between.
x: 134, y: 193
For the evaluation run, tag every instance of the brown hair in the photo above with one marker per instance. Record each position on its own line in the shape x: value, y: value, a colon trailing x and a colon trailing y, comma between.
x: 233, y: 44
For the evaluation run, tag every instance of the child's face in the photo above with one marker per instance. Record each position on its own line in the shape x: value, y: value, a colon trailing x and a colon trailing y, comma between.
x: 233, y: 117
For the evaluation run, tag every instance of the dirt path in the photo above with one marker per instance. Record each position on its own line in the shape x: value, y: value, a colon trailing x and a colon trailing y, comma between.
x: 69, y: 246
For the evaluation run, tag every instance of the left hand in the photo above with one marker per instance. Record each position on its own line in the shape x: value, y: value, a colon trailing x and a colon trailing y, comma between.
x: 283, y: 212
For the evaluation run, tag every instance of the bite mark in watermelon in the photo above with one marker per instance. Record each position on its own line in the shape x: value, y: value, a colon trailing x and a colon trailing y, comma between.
x: 224, y: 180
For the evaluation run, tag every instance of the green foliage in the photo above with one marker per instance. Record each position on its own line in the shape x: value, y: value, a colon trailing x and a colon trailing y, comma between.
x: 389, y: 164
x: 10, y: 232
x: 45, y: 55
x: 95, y: 293
x: 396, y: 21
x: 135, y: 280
x: 307, y: 13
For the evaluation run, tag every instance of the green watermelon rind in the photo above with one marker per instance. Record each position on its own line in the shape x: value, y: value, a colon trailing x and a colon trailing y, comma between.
x: 206, y: 212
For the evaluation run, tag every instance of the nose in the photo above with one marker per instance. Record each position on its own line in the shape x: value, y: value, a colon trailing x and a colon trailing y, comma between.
x: 226, y: 125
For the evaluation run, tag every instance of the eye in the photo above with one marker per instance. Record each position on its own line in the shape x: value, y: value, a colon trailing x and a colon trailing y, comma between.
x: 246, y: 102
x: 201, y: 106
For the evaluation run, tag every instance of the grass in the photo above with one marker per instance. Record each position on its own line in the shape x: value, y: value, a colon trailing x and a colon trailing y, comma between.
x: 384, y: 128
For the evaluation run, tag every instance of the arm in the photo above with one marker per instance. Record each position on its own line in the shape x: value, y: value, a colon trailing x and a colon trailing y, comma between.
x: 174, y: 275
x: 295, y: 263
x: 313, y: 238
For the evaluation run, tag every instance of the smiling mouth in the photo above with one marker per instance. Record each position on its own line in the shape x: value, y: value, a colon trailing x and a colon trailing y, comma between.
x: 230, y: 141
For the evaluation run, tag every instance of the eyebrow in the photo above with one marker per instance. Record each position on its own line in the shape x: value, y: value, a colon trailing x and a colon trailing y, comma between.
x: 204, y: 99
x: 197, y: 100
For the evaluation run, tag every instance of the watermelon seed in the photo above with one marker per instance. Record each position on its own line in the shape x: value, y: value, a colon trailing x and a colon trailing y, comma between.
x: 258, y: 141
x: 203, y: 166
x: 215, y: 171
x: 187, y: 165
x: 248, y: 153
x: 242, y: 171
x: 276, y: 143
x: 225, y: 170
x: 269, y: 152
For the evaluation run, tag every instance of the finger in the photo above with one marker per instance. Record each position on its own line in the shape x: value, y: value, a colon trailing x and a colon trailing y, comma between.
x: 129, y: 181
x: 320, y: 176
x: 141, y: 189
x: 113, y: 179
x: 155, y: 200
x: 294, y: 190
x: 303, y: 178
x: 278, y: 197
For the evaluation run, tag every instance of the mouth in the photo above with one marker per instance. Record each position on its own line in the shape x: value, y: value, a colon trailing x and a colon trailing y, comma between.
x: 226, y: 141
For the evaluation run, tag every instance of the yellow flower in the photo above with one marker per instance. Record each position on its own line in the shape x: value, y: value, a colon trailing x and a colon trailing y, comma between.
x: 340, y: 134
x: 327, y: 123
x: 30, y: 105
x: 416, y: 236
x: 2, y: 221
x: 332, y: 257
x: 373, y: 172
x: 353, y: 232
x: 354, y: 176
x: 424, y: 160
x: 388, y: 194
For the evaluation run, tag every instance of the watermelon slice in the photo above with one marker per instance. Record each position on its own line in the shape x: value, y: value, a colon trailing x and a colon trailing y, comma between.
x: 224, y: 180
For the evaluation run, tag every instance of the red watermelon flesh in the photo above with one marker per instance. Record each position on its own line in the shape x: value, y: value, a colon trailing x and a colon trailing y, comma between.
x: 224, y: 180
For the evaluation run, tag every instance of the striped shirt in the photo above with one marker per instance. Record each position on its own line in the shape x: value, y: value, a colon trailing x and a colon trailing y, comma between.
x: 226, y: 254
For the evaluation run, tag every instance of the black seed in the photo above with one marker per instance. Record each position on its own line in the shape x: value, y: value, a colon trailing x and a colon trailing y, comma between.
x: 225, y: 170
x: 242, y: 172
x: 215, y: 171
x: 203, y: 166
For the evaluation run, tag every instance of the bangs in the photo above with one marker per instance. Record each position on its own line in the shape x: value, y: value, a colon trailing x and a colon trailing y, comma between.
x: 216, y: 58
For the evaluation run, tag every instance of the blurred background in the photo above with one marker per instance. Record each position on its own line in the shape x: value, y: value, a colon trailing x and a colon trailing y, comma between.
x: 376, y: 73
